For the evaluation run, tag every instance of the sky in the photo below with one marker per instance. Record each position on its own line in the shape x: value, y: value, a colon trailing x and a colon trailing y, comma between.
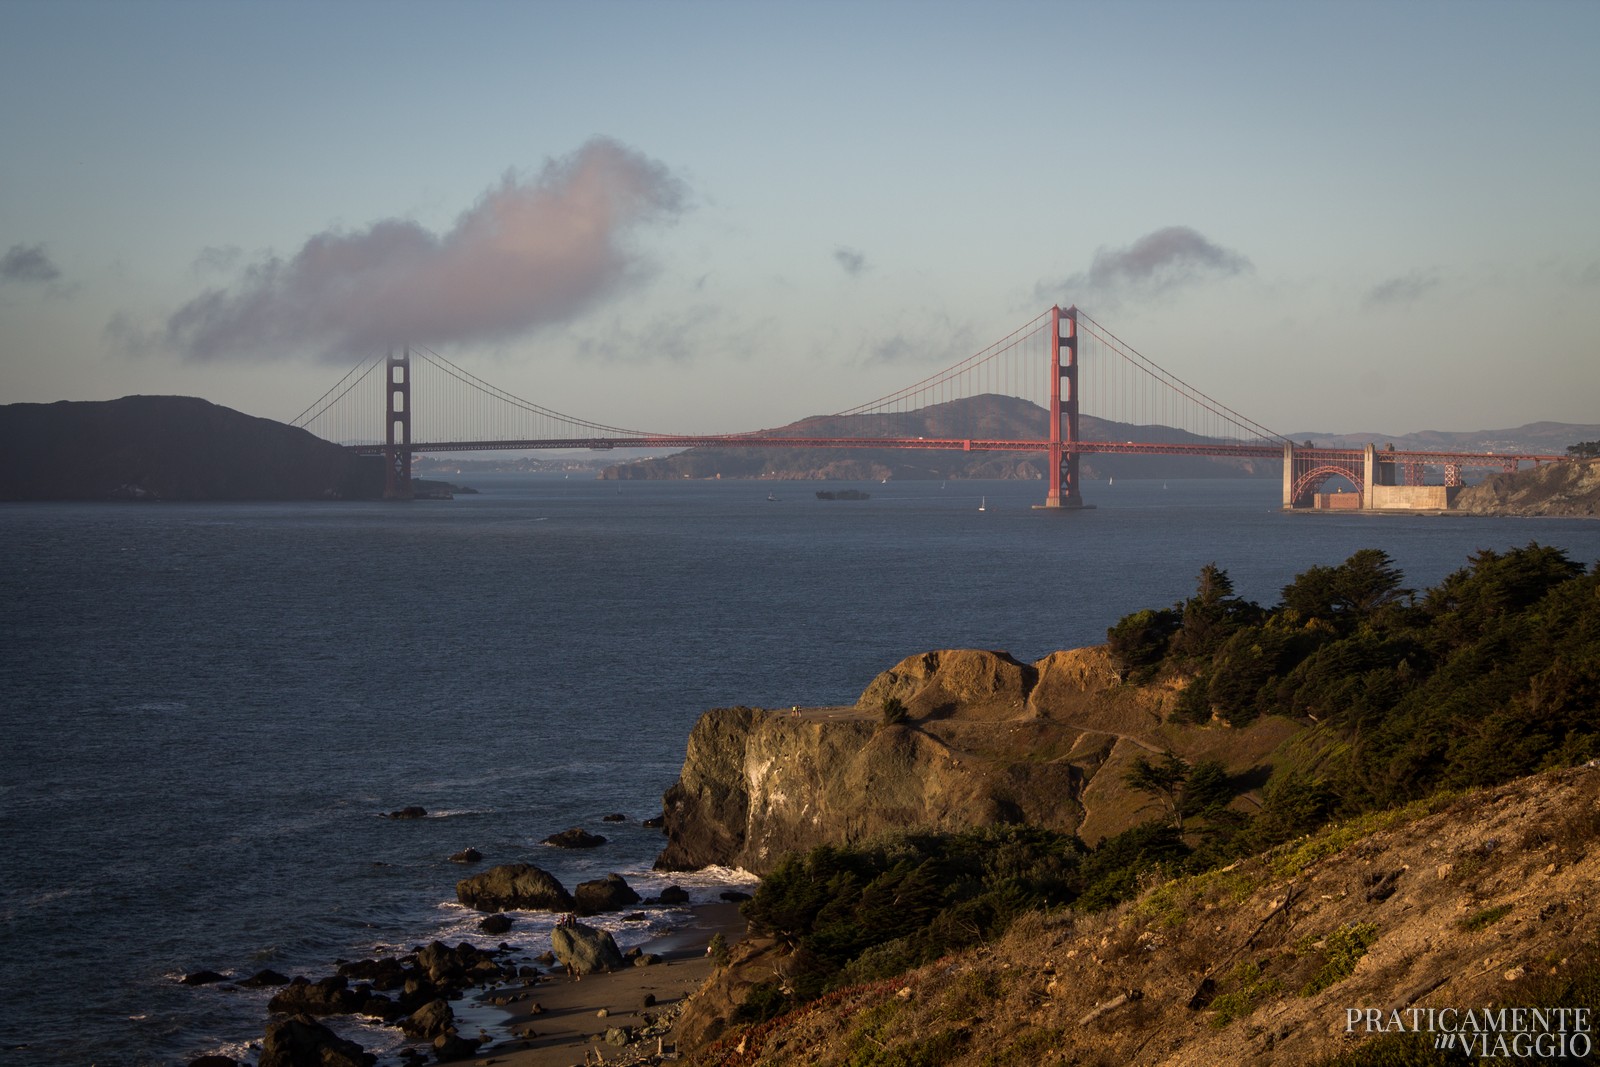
x: 707, y: 217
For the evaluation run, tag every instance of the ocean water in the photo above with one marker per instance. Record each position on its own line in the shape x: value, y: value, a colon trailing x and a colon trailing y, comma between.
x: 205, y: 708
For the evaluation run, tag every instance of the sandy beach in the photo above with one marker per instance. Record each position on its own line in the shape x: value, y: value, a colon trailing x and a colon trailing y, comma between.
x: 568, y: 1026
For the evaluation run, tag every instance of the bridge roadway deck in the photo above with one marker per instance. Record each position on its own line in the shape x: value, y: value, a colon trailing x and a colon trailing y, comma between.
x: 1262, y: 450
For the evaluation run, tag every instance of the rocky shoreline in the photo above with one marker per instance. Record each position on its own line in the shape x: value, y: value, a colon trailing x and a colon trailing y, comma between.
x: 445, y: 999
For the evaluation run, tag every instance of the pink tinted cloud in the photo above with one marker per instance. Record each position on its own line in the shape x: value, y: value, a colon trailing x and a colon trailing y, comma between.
x: 528, y: 253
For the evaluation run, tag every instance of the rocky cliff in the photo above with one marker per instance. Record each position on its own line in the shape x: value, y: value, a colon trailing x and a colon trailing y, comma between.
x: 987, y: 740
x: 1561, y: 489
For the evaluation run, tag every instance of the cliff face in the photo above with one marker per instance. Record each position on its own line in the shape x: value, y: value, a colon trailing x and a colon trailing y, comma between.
x: 170, y: 448
x: 1562, y: 489
x: 989, y: 740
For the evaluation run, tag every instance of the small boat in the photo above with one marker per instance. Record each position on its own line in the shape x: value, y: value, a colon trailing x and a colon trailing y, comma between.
x: 983, y: 504
x: 771, y: 497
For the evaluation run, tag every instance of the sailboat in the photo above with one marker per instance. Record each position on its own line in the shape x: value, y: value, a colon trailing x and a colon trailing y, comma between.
x: 983, y: 504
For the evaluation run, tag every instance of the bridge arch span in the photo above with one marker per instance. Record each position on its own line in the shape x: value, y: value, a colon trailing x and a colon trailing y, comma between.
x: 1308, y: 482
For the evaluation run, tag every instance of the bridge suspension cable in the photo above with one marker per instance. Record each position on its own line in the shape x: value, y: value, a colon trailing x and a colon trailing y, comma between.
x: 1114, y: 393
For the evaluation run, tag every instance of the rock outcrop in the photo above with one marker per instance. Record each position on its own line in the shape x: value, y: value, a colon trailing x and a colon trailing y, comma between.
x: 603, y: 894
x: 1561, y: 489
x: 514, y: 886
x: 300, y: 1039
x: 987, y: 740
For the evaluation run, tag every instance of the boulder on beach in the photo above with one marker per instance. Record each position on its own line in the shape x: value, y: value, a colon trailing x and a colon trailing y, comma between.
x: 300, y: 1040
x: 448, y: 1048
x: 610, y: 893
x: 583, y: 949
x: 514, y: 886
x: 577, y: 837
x: 430, y: 1020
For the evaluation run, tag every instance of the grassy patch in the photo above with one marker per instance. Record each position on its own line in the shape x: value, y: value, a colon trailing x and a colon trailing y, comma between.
x: 1250, y: 988
x: 1341, y: 951
x: 1172, y: 903
x: 1286, y: 861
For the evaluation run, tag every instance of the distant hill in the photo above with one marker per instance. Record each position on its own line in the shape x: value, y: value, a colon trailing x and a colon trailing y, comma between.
x: 170, y: 448
x: 1549, y: 438
x: 989, y: 416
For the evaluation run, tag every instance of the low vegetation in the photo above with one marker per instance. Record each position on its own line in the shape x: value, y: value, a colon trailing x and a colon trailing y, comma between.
x: 1413, y: 698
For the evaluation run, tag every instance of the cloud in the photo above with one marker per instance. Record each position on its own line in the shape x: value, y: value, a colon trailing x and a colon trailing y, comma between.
x: 850, y: 259
x: 1400, y: 290
x: 27, y: 263
x: 529, y: 253
x: 1158, y: 262
x: 936, y: 340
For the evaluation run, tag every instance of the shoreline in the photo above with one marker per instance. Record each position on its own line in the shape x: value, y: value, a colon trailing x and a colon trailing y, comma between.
x: 556, y: 1022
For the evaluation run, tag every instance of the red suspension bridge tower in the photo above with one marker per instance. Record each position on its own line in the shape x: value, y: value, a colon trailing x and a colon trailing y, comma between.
x: 1062, y: 457
x: 397, y: 446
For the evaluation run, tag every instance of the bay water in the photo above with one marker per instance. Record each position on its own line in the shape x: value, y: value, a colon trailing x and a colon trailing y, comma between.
x: 205, y: 708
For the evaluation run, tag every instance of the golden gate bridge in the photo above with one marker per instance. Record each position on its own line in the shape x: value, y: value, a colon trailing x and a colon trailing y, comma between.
x: 1062, y: 364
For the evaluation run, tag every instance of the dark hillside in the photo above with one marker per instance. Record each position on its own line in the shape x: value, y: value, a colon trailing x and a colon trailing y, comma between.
x: 169, y: 448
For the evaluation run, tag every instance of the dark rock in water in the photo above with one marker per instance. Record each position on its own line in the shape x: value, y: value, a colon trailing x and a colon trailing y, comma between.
x: 263, y: 978
x: 656, y: 822
x: 330, y: 996
x: 410, y: 811
x: 636, y: 917
x: 497, y: 923
x: 577, y: 837
x: 467, y: 855
x: 214, y: 1060
x: 673, y: 894
x: 585, y: 950
x: 301, y: 1041
x: 386, y: 974
x: 514, y: 885
x: 615, y: 816
x: 202, y: 978
x: 733, y: 896
x: 610, y: 893
x: 430, y: 1020
x: 378, y: 1006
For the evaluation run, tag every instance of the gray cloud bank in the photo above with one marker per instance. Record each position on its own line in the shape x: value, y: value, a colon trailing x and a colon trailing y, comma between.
x: 27, y: 263
x: 527, y: 254
x: 1400, y: 290
x: 850, y: 259
x: 1167, y: 259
